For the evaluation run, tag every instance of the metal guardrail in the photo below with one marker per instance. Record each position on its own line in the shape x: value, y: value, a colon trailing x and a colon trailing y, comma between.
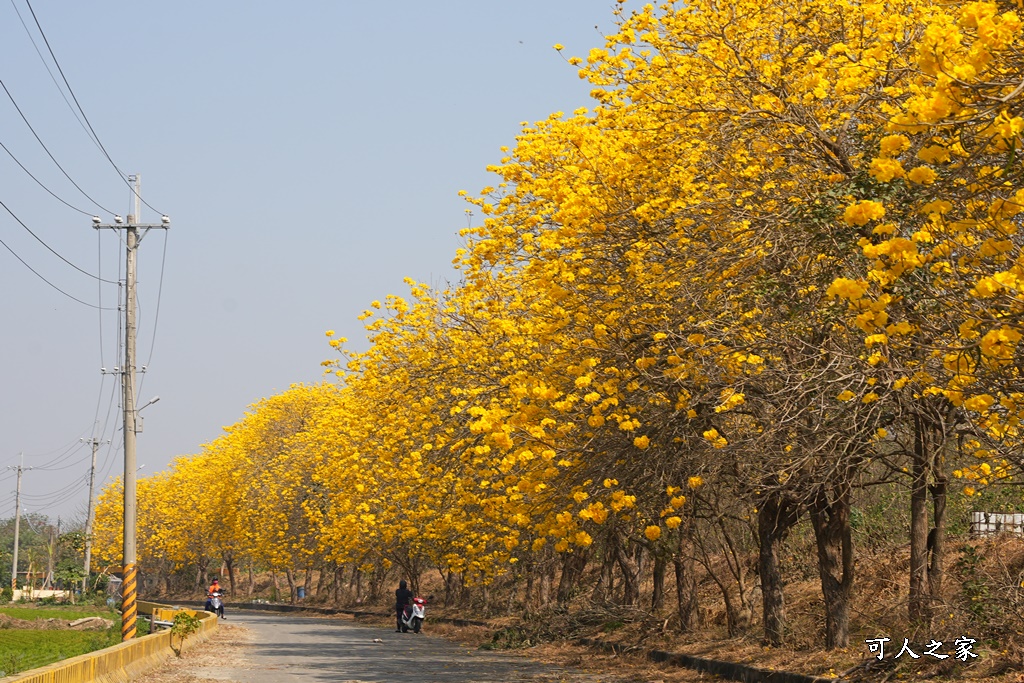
x: 124, y: 661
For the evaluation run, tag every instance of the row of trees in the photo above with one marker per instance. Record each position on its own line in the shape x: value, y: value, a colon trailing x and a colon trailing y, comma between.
x: 48, y: 557
x: 778, y: 261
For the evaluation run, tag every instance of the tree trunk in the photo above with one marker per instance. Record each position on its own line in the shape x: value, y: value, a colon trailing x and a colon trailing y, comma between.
x: 446, y: 579
x: 545, y: 586
x: 252, y: 582
x: 830, y: 517
x: 290, y: 575
x: 603, y: 590
x: 528, y: 598
x: 321, y: 580
x: 630, y: 574
x: 742, y: 614
x: 686, y: 591
x: 775, y: 517
x: 307, y: 582
x: 936, y: 571
x: 658, y: 593
x: 573, y: 564
x: 918, y: 604
x: 229, y: 562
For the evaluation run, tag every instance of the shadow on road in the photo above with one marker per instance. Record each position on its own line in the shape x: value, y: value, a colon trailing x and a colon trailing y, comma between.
x: 320, y: 649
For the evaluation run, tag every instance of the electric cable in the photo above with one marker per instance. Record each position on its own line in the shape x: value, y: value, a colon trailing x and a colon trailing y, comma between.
x: 99, y: 301
x: 47, y: 150
x: 36, y: 273
x: 39, y: 506
x: 51, y: 249
x: 108, y: 461
x: 40, y: 183
x: 36, y: 497
x: 71, y: 450
x: 53, y: 78
x: 62, y: 447
x: 75, y: 463
x: 156, y: 314
x: 104, y: 468
x: 65, y: 451
x: 120, y: 173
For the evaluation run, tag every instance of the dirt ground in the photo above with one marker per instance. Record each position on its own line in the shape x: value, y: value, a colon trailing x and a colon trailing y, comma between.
x: 225, y: 646
x: 53, y: 624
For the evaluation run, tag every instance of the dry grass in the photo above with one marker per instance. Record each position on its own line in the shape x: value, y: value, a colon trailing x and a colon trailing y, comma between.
x: 982, y: 598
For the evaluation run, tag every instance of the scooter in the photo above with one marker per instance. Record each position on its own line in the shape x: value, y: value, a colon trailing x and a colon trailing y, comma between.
x: 412, y: 616
x: 215, y: 604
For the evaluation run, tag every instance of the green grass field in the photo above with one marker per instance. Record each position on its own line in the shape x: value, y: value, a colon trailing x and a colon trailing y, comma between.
x: 24, y: 649
x: 71, y: 612
x: 21, y: 650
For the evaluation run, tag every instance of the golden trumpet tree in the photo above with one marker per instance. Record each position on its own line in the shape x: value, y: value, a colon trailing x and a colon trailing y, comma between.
x: 778, y: 251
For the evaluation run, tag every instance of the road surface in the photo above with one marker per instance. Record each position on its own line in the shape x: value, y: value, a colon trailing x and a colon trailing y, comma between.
x: 291, y: 648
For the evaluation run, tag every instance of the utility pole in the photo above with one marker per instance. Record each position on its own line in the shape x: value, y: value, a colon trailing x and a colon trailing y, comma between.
x: 17, y: 522
x: 129, y: 596
x: 95, y: 443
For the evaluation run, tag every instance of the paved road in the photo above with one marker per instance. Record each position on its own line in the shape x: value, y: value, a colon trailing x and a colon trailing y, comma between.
x: 290, y: 648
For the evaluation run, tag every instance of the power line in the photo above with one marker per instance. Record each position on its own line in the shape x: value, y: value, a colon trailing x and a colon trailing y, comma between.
x: 99, y: 301
x: 40, y: 183
x: 47, y: 150
x: 156, y: 315
x: 39, y: 506
x: 43, y: 497
x: 120, y: 173
x: 74, y: 463
x: 71, y: 450
x: 53, y: 78
x: 36, y: 273
x: 107, y: 460
x: 51, y: 249
x: 62, y: 447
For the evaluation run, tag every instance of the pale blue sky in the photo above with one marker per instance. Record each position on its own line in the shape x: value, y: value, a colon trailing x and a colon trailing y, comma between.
x: 309, y: 156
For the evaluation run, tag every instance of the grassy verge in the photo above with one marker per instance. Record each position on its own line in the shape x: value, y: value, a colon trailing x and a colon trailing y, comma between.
x: 25, y: 649
x: 21, y: 650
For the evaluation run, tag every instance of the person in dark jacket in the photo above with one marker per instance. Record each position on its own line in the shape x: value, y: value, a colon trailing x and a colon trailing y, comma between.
x: 403, y: 597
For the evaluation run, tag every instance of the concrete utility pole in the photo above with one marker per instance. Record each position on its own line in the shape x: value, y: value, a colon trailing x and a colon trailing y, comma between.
x: 17, y: 521
x: 129, y: 607
x: 95, y: 443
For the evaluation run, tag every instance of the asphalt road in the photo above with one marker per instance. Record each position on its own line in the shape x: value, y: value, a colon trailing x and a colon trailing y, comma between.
x: 318, y: 649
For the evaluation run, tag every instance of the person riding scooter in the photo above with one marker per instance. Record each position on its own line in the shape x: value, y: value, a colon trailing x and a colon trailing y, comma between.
x: 214, y: 601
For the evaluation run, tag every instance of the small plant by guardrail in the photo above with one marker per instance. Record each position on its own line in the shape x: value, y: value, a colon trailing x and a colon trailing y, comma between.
x: 183, y: 626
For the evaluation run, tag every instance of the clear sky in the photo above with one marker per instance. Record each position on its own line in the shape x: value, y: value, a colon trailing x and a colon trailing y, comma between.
x: 308, y: 154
